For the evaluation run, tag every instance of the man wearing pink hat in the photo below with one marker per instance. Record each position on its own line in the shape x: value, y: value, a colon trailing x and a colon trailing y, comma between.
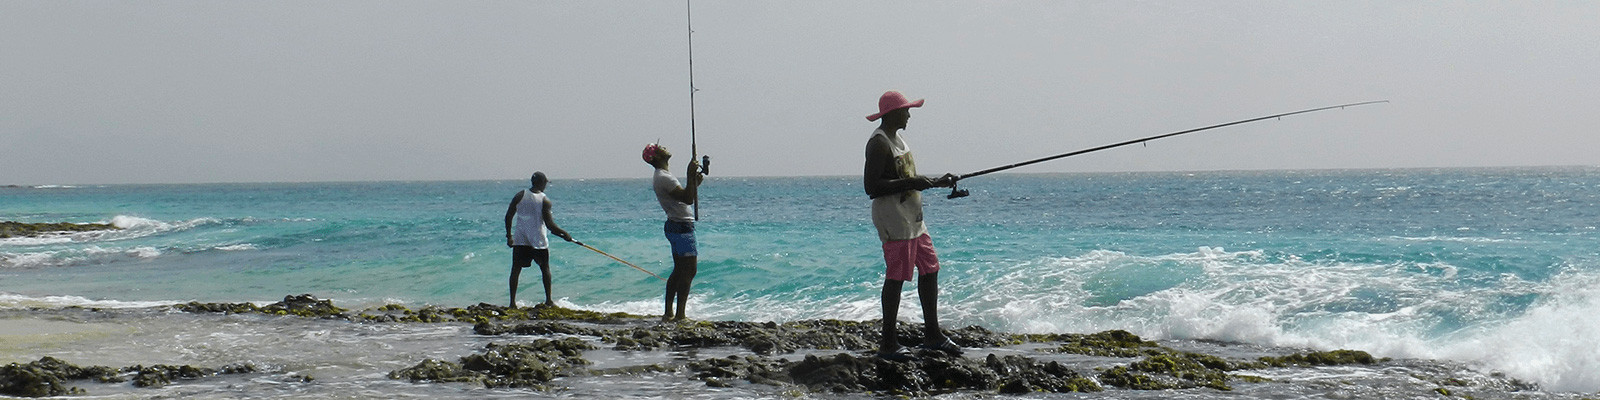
x: 891, y: 179
x: 676, y: 201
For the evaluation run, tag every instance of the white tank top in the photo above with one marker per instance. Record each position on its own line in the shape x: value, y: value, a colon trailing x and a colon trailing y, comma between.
x: 898, y: 216
x: 528, y: 229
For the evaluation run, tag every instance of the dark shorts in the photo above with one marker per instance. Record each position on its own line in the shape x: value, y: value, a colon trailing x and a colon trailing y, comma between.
x: 524, y: 256
x: 681, y: 235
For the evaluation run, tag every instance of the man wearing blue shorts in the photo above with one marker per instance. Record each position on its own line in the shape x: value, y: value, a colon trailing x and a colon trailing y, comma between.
x: 676, y: 199
x: 891, y: 180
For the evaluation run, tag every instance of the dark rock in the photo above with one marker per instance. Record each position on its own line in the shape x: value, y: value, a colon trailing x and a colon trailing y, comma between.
x: 1336, y: 357
x: 309, y: 306
x: 1113, y: 343
x: 933, y: 372
x: 304, y: 305
x: 47, y: 376
x: 225, y: 308
x: 841, y: 373
x: 23, y: 229
x: 1036, y: 376
x: 524, y: 365
x: 160, y: 375
x: 1170, y: 371
x: 431, y: 370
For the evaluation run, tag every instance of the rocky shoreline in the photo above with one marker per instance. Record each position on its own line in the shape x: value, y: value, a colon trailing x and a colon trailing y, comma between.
x: 10, y: 229
x: 542, y: 344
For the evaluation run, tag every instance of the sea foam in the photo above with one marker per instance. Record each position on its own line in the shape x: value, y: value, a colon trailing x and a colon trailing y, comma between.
x: 17, y: 301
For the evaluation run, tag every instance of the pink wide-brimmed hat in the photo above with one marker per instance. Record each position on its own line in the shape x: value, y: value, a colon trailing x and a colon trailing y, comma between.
x: 650, y: 152
x: 890, y: 101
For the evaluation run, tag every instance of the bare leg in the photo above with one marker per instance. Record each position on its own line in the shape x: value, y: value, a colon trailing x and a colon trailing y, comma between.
x: 543, y: 258
x: 928, y: 293
x: 684, y: 269
x: 672, y: 290
x: 514, y: 272
x: 891, y: 311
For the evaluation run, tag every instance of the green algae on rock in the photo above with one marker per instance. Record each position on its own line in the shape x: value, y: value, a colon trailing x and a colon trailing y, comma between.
x: 1171, y: 371
x: 1336, y: 357
x: 48, y: 376
x: 932, y: 373
x: 9, y: 229
x: 307, y: 305
x: 521, y: 365
x: 1112, y: 343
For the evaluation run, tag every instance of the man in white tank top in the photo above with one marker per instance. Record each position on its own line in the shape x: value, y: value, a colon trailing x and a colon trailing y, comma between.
x: 891, y: 180
x: 530, y: 210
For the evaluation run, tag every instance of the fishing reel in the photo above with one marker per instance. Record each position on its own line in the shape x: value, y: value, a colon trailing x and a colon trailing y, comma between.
x: 956, y: 191
x: 705, y: 165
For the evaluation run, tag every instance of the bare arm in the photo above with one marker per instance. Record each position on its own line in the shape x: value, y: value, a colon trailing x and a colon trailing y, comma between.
x: 550, y: 222
x: 691, y: 193
x: 879, y: 160
x: 511, y: 212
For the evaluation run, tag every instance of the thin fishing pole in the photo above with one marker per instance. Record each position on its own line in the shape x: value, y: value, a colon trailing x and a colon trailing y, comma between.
x: 694, y: 149
x: 618, y: 260
x: 954, y: 192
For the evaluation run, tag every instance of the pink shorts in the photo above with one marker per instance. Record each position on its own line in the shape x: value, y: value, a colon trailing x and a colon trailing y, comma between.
x: 902, y: 255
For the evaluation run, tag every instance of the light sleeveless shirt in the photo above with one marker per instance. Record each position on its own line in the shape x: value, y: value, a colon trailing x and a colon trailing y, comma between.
x: 529, y: 227
x: 898, y: 216
x: 676, y: 210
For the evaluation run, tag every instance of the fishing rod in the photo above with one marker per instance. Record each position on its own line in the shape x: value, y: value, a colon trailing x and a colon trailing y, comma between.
x: 619, y: 260
x: 694, y: 149
x: 956, y: 192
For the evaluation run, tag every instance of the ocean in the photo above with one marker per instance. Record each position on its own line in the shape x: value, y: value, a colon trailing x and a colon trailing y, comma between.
x: 1481, y: 272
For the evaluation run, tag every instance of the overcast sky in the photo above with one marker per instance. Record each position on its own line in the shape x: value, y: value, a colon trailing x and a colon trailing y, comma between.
x: 234, y: 91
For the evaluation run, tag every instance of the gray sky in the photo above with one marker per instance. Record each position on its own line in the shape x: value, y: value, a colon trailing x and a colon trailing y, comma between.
x: 232, y: 91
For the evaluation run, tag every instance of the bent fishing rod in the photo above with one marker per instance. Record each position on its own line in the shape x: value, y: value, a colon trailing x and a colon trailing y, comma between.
x: 957, y: 192
x: 618, y: 259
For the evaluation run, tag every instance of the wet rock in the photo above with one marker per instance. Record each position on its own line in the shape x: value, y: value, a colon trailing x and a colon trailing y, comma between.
x: 522, y: 365
x: 1171, y: 371
x: 224, y: 308
x: 431, y: 370
x: 1113, y: 343
x: 761, y: 338
x: 9, y: 229
x: 1336, y: 357
x: 754, y: 369
x: 48, y: 376
x: 305, y: 305
x: 160, y: 375
x: 933, y: 372
x: 533, y: 328
x: 842, y: 373
x: 1018, y: 371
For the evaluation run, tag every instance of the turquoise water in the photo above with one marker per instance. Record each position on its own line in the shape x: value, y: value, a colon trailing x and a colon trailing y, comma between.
x: 1494, y: 267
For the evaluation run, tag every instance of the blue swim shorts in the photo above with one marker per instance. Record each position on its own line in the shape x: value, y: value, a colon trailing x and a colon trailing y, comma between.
x: 681, y: 235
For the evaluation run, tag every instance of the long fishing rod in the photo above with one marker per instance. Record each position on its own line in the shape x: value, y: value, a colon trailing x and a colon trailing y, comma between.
x: 956, y: 192
x: 619, y: 260
x: 694, y: 149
